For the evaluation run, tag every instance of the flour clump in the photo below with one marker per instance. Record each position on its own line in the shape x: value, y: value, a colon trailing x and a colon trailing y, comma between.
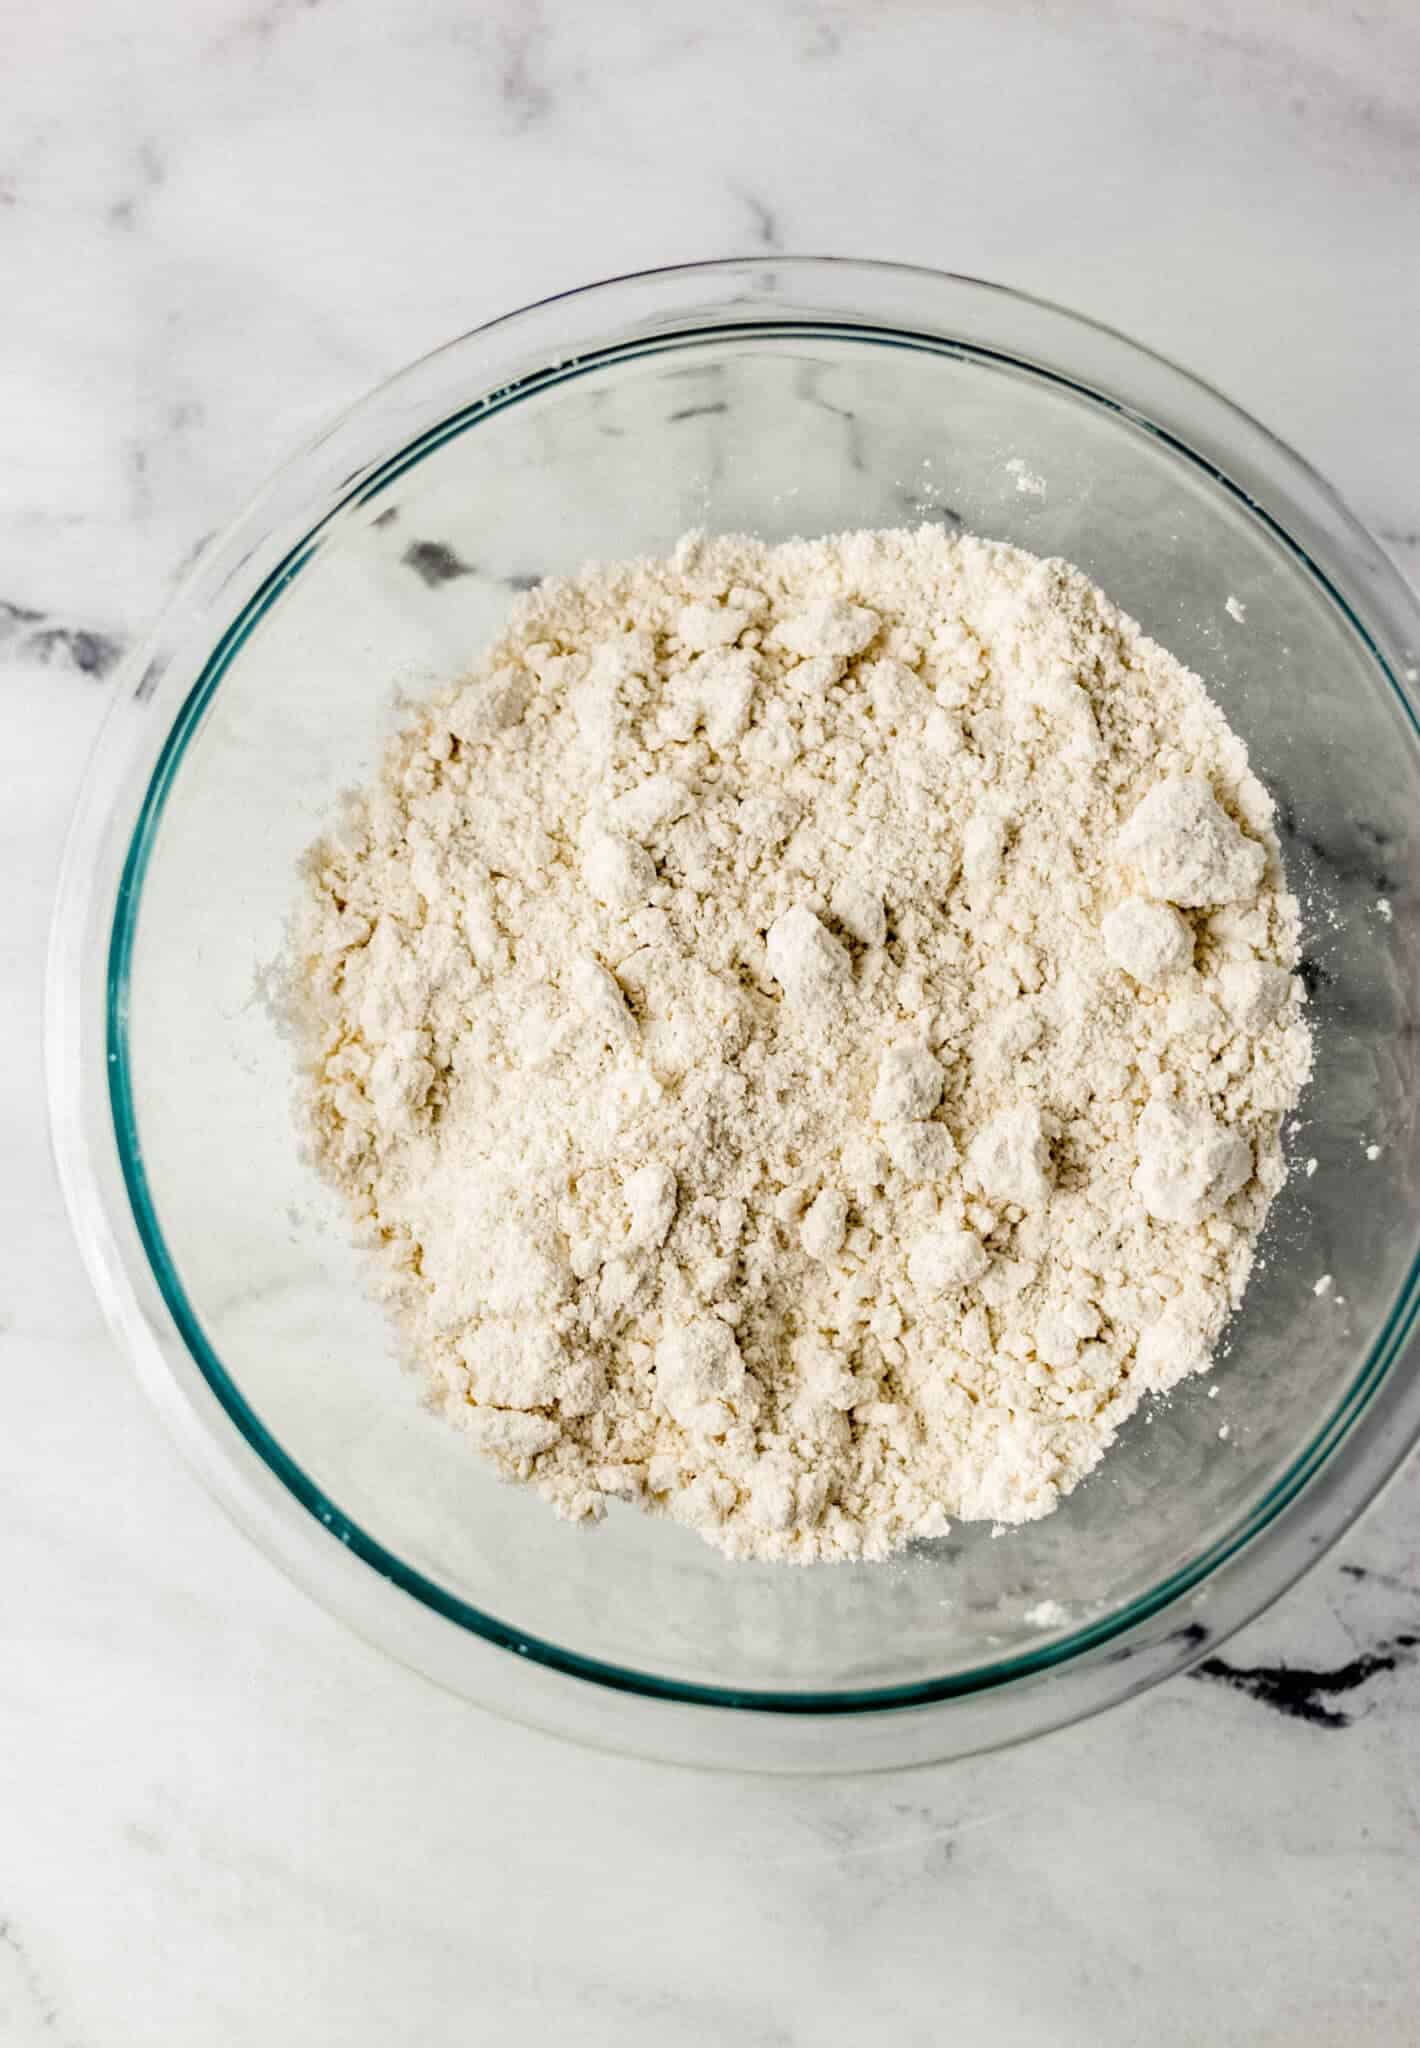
x: 804, y: 1032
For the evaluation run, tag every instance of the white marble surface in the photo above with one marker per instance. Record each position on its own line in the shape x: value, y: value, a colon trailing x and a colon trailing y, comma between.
x: 224, y: 1821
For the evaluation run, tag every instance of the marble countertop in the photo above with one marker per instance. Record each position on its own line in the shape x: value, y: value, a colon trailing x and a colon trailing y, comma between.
x: 227, y: 1821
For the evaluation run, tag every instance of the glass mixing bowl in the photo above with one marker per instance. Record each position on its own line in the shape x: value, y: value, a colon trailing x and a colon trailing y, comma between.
x: 777, y: 397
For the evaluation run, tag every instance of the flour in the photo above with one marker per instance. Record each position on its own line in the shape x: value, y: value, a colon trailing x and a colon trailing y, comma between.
x: 804, y: 1034
x: 1027, y: 482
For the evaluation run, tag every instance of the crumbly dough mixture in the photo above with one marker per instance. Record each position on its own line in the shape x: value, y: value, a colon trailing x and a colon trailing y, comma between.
x: 804, y: 1031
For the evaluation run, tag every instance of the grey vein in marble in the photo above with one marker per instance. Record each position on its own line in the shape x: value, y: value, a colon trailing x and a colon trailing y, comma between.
x: 435, y: 562
x: 1301, y: 1694
x: 29, y: 635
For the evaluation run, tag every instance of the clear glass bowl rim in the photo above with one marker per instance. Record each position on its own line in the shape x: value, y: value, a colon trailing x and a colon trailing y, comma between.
x: 246, y: 569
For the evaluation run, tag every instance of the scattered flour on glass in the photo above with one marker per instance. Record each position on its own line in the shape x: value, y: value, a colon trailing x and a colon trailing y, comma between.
x: 1027, y: 482
x: 804, y: 1033
x: 1235, y: 609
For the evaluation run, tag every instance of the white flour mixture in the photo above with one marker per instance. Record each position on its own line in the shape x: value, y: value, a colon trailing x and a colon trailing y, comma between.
x: 805, y: 1032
